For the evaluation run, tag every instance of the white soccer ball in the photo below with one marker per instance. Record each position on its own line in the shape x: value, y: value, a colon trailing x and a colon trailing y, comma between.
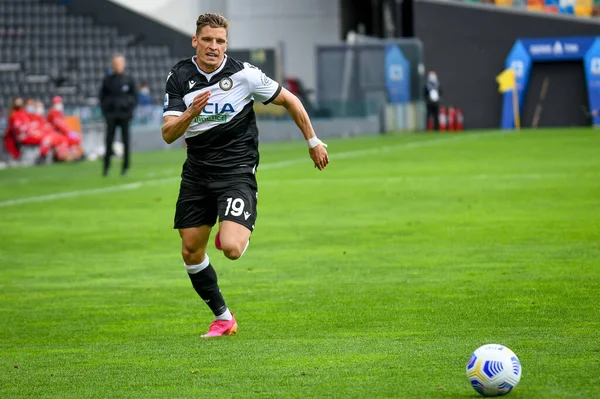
x: 493, y: 370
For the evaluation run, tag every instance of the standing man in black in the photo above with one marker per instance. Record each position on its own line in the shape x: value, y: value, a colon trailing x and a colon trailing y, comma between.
x: 433, y: 94
x: 118, y: 99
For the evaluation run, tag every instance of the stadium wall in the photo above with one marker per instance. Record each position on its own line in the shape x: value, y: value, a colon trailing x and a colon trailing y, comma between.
x: 297, y: 25
x: 468, y: 44
x: 148, y: 138
x: 179, y: 15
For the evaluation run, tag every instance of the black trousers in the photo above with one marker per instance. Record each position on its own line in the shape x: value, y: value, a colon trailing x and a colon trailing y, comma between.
x: 111, y: 127
x: 433, y: 111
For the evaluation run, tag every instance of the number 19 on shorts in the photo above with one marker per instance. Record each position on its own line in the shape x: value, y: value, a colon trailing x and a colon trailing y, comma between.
x: 235, y: 207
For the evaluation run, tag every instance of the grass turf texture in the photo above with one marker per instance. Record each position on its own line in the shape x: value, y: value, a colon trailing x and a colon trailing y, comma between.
x: 375, y: 278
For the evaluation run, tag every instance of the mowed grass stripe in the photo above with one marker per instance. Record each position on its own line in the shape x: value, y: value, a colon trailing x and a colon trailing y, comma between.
x: 266, y: 166
x: 376, y: 278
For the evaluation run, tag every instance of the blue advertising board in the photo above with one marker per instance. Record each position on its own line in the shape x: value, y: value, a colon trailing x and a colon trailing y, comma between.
x: 591, y: 64
x: 397, y: 75
x: 527, y: 51
x: 558, y: 48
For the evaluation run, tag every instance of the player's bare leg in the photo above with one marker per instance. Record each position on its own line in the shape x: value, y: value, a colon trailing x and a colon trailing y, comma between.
x: 204, y: 279
x: 193, y: 244
x: 233, y: 239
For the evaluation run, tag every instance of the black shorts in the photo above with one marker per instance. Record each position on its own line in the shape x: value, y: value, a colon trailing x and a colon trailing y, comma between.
x: 205, y: 197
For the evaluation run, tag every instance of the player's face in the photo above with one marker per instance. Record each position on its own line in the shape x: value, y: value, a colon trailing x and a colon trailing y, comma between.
x: 18, y: 104
x: 210, y: 44
x: 30, y: 105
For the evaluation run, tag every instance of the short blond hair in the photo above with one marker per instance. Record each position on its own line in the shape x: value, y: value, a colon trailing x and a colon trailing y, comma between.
x: 211, y: 19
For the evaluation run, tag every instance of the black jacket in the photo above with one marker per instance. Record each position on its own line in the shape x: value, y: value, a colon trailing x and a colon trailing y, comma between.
x: 118, y: 96
x: 429, y: 87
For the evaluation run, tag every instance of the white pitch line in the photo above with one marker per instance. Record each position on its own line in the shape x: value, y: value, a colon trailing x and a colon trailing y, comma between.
x: 272, y: 165
x: 71, y: 194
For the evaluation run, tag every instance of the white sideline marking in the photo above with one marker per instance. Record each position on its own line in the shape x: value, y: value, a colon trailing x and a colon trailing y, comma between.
x: 272, y: 165
x: 70, y: 194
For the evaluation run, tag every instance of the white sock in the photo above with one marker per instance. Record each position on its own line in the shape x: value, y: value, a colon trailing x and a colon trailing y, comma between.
x: 245, y: 248
x: 225, y: 316
x: 193, y: 269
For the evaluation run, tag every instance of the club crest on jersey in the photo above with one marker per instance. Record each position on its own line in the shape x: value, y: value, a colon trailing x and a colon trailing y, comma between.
x: 226, y: 84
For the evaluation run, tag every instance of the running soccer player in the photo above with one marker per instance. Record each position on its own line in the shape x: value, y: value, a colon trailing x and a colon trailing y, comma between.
x: 209, y: 99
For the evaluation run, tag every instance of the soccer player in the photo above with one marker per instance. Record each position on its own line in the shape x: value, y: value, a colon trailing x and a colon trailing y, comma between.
x: 56, y: 117
x: 59, y: 143
x: 30, y: 128
x: 17, y: 123
x: 209, y: 99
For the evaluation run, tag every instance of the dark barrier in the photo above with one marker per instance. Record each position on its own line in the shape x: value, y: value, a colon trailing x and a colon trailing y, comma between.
x: 359, y: 79
x: 467, y: 45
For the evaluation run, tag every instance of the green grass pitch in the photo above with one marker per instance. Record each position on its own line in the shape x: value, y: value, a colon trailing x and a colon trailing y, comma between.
x: 375, y: 278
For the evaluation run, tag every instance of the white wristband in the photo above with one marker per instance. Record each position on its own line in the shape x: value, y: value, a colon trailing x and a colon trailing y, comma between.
x: 314, y: 141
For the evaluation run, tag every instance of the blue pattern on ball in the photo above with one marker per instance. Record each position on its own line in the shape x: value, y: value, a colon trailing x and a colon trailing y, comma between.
x: 504, y: 388
x: 516, y: 365
x: 472, y: 361
x: 492, y: 367
x: 478, y: 386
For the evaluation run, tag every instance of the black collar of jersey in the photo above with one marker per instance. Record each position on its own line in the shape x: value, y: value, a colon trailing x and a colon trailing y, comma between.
x: 189, y: 79
x: 230, y: 67
x: 213, y: 73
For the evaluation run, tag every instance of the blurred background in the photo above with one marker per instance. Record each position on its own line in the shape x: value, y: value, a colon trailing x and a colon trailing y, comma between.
x: 359, y: 66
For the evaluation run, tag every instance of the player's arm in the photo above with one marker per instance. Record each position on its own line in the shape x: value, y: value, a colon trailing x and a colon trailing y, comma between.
x: 294, y: 106
x: 177, y: 117
x: 174, y: 127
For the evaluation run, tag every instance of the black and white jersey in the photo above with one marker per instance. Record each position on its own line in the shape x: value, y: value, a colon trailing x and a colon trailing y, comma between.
x: 224, y: 136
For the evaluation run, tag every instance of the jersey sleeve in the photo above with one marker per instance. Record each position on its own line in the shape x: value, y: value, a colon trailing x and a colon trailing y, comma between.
x: 173, y: 104
x: 261, y: 87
